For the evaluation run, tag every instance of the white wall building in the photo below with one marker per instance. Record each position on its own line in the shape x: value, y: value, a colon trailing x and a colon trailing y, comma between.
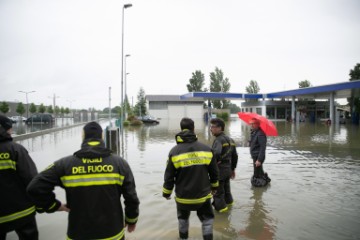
x: 172, y: 107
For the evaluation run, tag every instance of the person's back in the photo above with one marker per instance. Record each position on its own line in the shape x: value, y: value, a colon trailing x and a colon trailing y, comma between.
x: 191, y: 160
x: 191, y: 169
x: 17, y: 211
x: 94, y: 181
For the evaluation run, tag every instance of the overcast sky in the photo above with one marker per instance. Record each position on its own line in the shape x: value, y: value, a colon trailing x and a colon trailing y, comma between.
x: 72, y: 48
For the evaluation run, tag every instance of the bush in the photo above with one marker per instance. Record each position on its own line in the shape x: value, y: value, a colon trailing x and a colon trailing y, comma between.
x: 136, y: 123
x: 126, y: 123
x: 224, y: 116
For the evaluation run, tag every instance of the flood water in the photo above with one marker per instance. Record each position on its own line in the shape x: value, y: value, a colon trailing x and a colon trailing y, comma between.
x: 314, y: 192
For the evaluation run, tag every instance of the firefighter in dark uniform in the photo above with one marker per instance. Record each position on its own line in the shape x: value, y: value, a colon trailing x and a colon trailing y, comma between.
x: 226, y: 156
x: 192, y: 170
x: 94, y: 181
x: 17, y: 211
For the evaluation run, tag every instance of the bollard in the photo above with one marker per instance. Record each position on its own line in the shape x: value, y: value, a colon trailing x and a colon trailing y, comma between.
x: 112, y: 138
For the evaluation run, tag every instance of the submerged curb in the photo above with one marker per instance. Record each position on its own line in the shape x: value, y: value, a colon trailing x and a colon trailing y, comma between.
x: 42, y: 132
x: 46, y: 131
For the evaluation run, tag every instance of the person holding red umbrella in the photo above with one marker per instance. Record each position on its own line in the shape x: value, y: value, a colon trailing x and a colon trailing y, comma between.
x: 257, y: 145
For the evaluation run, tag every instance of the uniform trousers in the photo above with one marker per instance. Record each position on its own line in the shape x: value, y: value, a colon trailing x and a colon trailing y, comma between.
x: 26, y: 231
x: 204, y: 212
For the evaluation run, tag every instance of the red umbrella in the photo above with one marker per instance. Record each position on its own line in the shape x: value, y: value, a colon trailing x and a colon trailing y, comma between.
x: 265, y: 124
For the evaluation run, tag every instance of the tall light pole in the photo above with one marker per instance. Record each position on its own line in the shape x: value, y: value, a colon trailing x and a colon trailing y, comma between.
x: 27, y: 102
x: 125, y: 97
x: 122, y: 65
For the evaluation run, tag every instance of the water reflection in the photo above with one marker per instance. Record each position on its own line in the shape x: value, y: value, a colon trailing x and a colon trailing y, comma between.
x: 260, y: 226
x: 20, y: 128
x: 314, y: 192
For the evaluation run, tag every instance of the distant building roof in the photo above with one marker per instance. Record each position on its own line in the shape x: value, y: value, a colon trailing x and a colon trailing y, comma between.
x: 341, y: 90
x: 169, y: 98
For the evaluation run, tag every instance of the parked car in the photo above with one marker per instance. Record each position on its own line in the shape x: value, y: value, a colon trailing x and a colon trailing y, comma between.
x: 40, y: 118
x: 148, y: 119
x: 16, y: 119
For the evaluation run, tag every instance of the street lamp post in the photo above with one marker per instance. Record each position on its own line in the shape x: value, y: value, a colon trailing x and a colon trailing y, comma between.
x: 122, y: 64
x: 125, y: 96
x: 27, y: 102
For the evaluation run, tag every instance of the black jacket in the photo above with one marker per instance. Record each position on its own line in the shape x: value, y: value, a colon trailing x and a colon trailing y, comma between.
x: 225, y: 153
x: 258, y: 145
x: 94, y: 181
x: 16, y: 171
x: 192, y: 169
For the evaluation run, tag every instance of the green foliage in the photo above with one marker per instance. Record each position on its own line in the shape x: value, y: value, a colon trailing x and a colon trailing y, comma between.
x: 62, y: 110
x: 224, y: 116
x: 116, y: 110
x: 355, y: 73
x: 354, y: 100
x: 50, y: 109
x: 127, y: 105
x: 140, y: 106
x: 20, y: 108
x: 4, y: 107
x: 42, y: 108
x: 136, y: 123
x: 196, y: 82
x: 219, y: 84
x: 57, y: 110
x: 304, y: 84
x: 67, y: 110
x: 253, y: 87
x: 32, y: 108
x: 234, y: 108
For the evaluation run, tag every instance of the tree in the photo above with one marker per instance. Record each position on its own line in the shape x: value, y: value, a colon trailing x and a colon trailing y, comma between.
x: 20, y: 108
x: 127, y: 105
x: 42, y: 108
x: 196, y: 82
x: 219, y: 84
x: 50, y: 109
x: 62, y: 110
x: 57, y: 110
x: 234, y: 108
x: 4, y: 107
x: 304, y: 84
x: 67, y: 110
x: 32, y: 108
x: 354, y: 100
x: 140, y: 106
x: 253, y: 87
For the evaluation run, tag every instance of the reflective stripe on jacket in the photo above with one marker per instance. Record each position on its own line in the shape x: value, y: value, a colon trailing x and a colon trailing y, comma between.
x: 191, y: 170
x: 94, y: 181
x: 16, y: 171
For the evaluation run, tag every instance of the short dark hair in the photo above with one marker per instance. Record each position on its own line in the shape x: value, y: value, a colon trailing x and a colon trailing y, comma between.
x: 218, y: 122
x: 187, y: 123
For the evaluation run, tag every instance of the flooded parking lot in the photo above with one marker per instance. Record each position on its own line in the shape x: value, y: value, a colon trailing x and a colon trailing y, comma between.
x: 314, y: 193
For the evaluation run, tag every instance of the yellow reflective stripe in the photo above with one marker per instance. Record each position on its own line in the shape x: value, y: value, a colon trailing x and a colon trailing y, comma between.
x: 215, y: 184
x: 223, y: 210
x: 7, y: 164
x: 94, y: 143
x: 179, y: 139
x: 50, y: 166
x: 118, y: 236
x: 131, y: 220
x: 17, y: 215
x: 92, y: 179
x: 227, y: 144
x: 167, y: 191
x: 52, y: 206
x: 193, y: 201
x: 192, y: 158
